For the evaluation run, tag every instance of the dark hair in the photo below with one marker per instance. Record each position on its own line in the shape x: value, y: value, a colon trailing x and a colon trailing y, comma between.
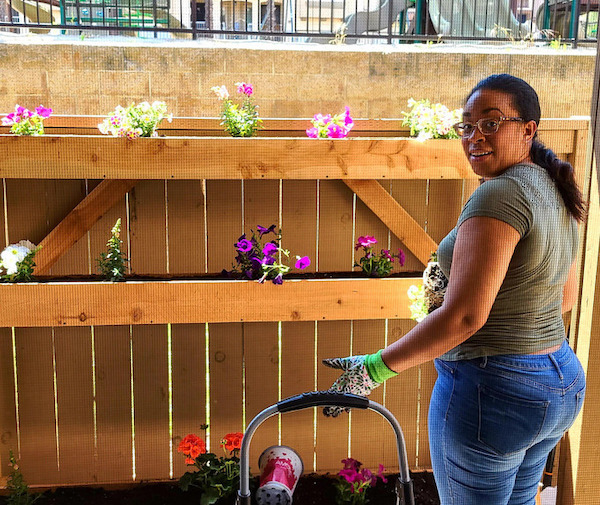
x: 527, y: 103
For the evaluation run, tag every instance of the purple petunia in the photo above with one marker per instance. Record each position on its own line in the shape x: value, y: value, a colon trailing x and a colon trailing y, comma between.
x: 278, y: 279
x: 244, y: 245
x: 269, y: 249
x: 401, y: 257
x: 302, y: 262
x: 263, y: 231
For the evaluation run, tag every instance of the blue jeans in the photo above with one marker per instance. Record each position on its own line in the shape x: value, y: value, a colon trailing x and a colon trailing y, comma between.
x: 493, y: 421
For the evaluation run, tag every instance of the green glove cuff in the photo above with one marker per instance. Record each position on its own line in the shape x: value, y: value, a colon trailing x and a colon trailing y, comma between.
x: 377, y: 369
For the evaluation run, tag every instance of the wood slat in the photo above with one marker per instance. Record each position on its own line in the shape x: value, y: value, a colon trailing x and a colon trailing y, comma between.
x: 75, y: 400
x: 151, y: 402
x: 298, y: 376
x: 226, y: 382
x: 393, y: 215
x: 8, y: 411
x: 112, y: 351
x: 37, y: 419
x: 189, y: 386
x: 333, y: 340
x: 92, y: 157
x: 370, y: 433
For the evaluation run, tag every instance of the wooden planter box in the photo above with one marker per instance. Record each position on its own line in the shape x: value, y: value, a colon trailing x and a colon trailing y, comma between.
x: 103, y: 157
x: 160, y: 302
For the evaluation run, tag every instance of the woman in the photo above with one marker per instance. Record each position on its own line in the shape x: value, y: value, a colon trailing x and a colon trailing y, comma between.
x: 508, y: 383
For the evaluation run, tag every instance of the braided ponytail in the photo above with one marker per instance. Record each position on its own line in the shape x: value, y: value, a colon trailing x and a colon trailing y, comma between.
x: 526, y: 101
x: 562, y: 173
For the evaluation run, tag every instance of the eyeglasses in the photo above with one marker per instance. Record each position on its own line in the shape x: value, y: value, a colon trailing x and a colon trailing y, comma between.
x: 487, y: 126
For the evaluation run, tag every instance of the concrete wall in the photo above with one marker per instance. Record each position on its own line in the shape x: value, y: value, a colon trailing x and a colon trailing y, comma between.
x: 92, y: 77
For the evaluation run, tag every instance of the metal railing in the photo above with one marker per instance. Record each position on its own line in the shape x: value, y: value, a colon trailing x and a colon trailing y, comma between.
x: 326, y: 21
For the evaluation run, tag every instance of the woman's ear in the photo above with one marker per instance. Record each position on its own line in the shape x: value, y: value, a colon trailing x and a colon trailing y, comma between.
x: 530, y: 129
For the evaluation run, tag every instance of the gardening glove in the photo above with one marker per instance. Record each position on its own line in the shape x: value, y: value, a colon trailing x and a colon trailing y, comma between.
x: 361, y: 375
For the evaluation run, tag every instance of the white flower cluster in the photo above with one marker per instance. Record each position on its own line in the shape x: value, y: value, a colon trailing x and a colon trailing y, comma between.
x: 15, y: 254
x: 431, y: 121
x: 139, y: 120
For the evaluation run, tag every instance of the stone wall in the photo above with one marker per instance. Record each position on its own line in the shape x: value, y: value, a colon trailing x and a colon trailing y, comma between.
x: 92, y: 77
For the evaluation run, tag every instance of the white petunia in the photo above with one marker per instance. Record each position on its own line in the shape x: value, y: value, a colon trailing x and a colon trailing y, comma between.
x: 12, y: 256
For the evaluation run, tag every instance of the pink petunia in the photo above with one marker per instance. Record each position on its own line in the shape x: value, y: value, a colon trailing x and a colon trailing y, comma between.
x: 43, y: 111
x: 245, y: 88
x: 336, y: 131
x: 365, y: 241
x: 313, y: 132
x: 302, y: 263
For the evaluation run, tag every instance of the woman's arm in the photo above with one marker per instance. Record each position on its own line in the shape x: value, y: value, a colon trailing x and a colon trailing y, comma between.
x: 482, y: 252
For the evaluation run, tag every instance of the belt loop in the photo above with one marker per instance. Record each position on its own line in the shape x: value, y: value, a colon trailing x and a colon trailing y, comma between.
x: 483, y: 363
x: 554, y: 362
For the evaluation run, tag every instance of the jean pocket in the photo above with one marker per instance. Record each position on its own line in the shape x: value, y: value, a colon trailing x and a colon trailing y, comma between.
x: 508, y: 424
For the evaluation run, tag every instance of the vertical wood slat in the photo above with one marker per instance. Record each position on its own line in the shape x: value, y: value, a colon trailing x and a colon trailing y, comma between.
x: 224, y: 226
x: 8, y: 414
x: 37, y: 420
x: 368, y: 430
x: 298, y: 376
x: 335, y: 254
x: 112, y: 351
x: 189, y: 386
x: 226, y: 381
x: 74, y: 391
x: 370, y: 433
x: 148, y: 242
x: 402, y: 399
x: 261, y: 348
x: 186, y: 246
x: 299, y: 236
x: 151, y: 401
x: 333, y: 340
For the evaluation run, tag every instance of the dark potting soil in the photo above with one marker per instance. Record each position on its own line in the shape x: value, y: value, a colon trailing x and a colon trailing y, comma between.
x: 312, y: 489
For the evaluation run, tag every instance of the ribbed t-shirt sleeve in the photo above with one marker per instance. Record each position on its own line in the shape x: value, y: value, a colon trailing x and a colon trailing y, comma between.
x: 501, y: 198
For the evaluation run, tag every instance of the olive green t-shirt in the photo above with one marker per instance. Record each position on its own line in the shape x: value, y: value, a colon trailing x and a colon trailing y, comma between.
x: 526, y: 314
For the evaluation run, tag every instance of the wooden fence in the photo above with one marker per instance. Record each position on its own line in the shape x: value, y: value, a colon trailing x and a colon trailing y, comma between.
x: 100, y: 381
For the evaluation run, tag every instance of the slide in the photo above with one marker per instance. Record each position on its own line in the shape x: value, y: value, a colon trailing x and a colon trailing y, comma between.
x: 475, y: 18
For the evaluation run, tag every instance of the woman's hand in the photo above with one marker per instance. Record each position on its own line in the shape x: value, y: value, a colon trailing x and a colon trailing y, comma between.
x: 355, y: 379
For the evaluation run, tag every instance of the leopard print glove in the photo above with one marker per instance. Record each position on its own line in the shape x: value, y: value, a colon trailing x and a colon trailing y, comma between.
x: 354, y: 379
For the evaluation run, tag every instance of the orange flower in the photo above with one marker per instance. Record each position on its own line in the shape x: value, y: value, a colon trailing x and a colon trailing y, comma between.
x: 232, y: 441
x: 192, y: 446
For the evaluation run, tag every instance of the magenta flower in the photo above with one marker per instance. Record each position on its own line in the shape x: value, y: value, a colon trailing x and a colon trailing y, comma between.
x: 380, y: 473
x: 313, y: 132
x: 348, y: 121
x: 269, y: 248
x: 278, y: 279
x: 302, y: 263
x: 42, y: 111
x: 263, y: 231
x: 244, y: 245
x: 336, y: 131
x: 365, y: 241
x: 245, y: 88
x: 401, y: 257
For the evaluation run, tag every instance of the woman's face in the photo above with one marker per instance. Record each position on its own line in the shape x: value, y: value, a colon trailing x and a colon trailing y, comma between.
x: 490, y: 155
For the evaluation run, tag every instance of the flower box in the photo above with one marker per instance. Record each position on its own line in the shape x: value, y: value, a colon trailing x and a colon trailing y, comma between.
x: 161, y: 302
x: 100, y: 157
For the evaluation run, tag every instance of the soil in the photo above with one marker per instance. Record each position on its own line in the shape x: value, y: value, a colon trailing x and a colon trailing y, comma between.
x: 312, y: 489
x: 212, y: 277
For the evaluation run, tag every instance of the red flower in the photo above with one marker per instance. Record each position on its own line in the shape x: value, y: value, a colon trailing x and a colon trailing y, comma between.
x: 192, y: 446
x: 232, y: 441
